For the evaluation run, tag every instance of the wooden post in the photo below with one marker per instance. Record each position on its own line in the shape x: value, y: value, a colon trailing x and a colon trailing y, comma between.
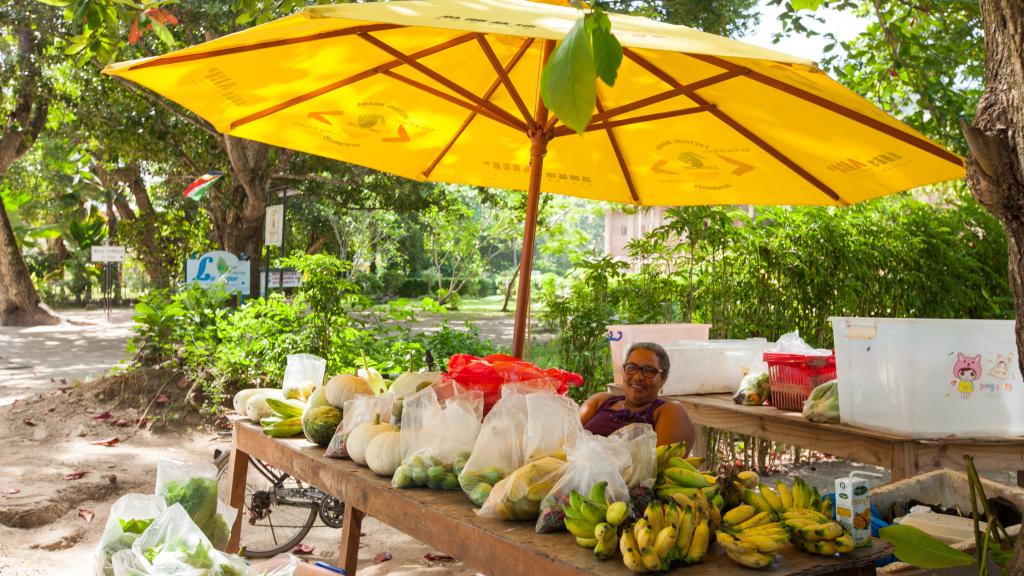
x: 239, y: 471
x: 539, y: 139
x: 350, y: 532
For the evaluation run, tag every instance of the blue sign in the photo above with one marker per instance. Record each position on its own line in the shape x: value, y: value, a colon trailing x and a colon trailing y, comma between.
x: 218, y: 266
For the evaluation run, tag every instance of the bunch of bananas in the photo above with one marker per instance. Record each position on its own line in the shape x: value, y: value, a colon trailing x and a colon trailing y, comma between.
x: 677, y: 532
x: 679, y: 475
x: 816, y: 533
x: 594, y: 521
x: 751, y: 537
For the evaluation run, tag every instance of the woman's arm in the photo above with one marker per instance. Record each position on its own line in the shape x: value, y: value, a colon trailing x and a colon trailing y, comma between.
x: 672, y: 424
x: 590, y: 406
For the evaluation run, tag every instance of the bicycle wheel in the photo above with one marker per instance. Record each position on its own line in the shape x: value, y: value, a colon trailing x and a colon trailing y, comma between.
x: 278, y: 510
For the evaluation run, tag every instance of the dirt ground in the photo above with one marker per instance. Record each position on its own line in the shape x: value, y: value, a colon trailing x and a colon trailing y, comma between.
x: 53, y: 422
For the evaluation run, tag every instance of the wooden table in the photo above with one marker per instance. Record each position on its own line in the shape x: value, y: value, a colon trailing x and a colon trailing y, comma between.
x: 905, y: 456
x: 446, y: 521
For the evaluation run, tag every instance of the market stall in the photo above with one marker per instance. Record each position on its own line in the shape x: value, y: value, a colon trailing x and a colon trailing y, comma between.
x: 446, y: 520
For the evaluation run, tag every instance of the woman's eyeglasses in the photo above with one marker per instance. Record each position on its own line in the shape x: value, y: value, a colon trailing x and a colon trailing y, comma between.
x: 648, y: 371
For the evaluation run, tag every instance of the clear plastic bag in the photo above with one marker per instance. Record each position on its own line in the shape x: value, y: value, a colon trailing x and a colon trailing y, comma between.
x: 194, y: 486
x: 443, y: 444
x: 591, y: 460
x: 302, y: 375
x: 129, y: 563
x: 362, y: 408
x: 518, y: 496
x: 642, y: 441
x: 792, y: 343
x: 553, y: 425
x: 754, y: 389
x: 823, y: 403
x: 174, y: 545
x: 129, y: 518
x: 498, y: 450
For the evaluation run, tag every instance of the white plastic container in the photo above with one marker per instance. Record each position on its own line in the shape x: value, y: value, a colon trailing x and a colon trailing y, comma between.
x: 929, y: 378
x: 622, y: 336
x: 712, y: 367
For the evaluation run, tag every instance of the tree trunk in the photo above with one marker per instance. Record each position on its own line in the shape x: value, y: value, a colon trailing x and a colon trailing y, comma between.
x: 149, y: 242
x: 511, y: 284
x: 238, y: 211
x: 995, y: 170
x: 19, y: 301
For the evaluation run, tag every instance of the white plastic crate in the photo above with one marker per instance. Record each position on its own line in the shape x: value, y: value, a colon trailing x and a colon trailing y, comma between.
x: 929, y: 378
x: 712, y: 367
x: 622, y: 336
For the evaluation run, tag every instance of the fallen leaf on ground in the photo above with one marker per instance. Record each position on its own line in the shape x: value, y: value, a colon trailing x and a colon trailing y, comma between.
x: 108, y: 442
x: 11, y: 491
x: 104, y: 416
x: 28, y: 422
x: 112, y: 478
x: 121, y: 422
x: 382, y: 557
x: 51, y: 409
x: 86, y: 514
x: 75, y: 475
x: 162, y: 399
x: 303, y: 549
x: 437, y: 557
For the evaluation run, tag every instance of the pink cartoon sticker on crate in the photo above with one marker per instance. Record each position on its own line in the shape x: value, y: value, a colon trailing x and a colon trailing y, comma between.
x: 966, y: 372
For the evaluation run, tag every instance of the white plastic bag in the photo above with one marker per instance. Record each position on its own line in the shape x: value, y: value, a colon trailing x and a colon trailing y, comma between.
x: 642, y: 441
x: 553, y: 425
x: 129, y: 518
x: 593, y: 459
x: 792, y: 343
x: 362, y: 408
x: 443, y: 444
x: 518, y: 495
x: 498, y: 450
x: 174, y: 545
x: 302, y: 374
x: 130, y: 563
x: 194, y: 486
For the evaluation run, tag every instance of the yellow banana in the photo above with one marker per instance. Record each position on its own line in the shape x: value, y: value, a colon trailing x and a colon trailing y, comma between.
x: 748, y: 478
x: 773, y: 527
x: 684, y: 500
x: 686, y: 478
x: 826, y: 509
x: 712, y: 480
x: 677, y: 462
x: 785, y: 495
x: 644, y: 535
x: 666, y: 540
x: 605, y: 546
x: 806, y: 514
x: 593, y: 513
x: 714, y: 518
x: 685, y: 532
x: 655, y: 516
x: 650, y: 559
x: 798, y: 494
x: 825, y: 548
x: 631, y: 553
x: 739, y: 514
x: 763, y: 543
x: 757, y: 520
x: 586, y: 542
x: 816, y: 532
x: 845, y: 544
x: 741, y: 553
x: 757, y: 501
x: 696, y: 461
x: 672, y: 514
x: 699, y: 543
x: 816, y: 501
x: 772, y: 499
x: 616, y: 513
x: 580, y: 528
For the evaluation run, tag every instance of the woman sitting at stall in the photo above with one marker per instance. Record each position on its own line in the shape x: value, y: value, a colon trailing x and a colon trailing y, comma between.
x: 644, y: 373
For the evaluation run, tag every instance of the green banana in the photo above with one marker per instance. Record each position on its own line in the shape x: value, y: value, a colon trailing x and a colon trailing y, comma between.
x: 687, y: 478
x: 616, y: 513
x: 597, y: 493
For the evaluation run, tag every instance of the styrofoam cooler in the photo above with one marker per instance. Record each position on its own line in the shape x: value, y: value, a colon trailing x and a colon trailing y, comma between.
x: 712, y: 367
x: 929, y: 378
x: 622, y: 336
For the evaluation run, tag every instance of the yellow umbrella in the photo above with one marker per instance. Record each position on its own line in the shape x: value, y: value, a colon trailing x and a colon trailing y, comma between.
x: 448, y: 91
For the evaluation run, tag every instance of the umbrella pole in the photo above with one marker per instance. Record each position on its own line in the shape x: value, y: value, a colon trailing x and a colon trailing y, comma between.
x: 540, y: 135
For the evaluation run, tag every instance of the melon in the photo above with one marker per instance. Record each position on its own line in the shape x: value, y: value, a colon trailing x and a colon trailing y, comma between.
x: 320, y: 423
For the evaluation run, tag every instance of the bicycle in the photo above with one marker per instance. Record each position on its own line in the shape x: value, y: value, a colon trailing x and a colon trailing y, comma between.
x: 279, y: 510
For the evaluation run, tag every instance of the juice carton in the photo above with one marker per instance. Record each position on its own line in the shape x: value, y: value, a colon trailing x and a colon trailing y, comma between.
x: 853, y: 506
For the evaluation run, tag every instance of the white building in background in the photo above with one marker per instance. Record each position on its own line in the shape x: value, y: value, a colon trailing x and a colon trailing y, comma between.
x: 621, y: 228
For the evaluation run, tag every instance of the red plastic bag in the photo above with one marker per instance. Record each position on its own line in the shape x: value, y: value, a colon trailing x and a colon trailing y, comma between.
x: 490, y: 373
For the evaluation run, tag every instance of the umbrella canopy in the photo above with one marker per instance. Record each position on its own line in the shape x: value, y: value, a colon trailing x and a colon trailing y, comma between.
x: 448, y: 90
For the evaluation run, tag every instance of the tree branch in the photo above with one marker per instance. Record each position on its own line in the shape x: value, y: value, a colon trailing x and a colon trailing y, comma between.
x: 188, y: 117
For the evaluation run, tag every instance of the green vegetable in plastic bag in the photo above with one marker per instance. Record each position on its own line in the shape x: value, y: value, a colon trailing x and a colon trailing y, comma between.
x: 754, y: 389
x: 823, y: 403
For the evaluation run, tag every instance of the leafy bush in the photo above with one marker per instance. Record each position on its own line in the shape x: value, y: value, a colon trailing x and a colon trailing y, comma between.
x: 157, y: 320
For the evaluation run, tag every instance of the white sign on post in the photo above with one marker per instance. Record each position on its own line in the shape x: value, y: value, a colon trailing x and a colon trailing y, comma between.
x: 108, y: 253
x: 274, y: 225
x: 291, y: 277
x: 218, y: 266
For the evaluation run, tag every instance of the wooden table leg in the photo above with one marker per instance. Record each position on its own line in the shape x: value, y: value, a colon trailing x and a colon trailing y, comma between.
x: 350, y: 529
x: 239, y: 471
x: 904, y: 460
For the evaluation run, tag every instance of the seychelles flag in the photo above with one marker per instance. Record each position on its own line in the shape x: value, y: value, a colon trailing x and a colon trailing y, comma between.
x: 202, y: 185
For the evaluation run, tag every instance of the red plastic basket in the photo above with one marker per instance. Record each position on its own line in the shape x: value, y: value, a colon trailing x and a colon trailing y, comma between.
x: 793, y: 376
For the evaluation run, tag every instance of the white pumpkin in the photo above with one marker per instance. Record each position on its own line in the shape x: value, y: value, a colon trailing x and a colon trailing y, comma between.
x: 360, y: 438
x: 343, y: 387
x: 374, y: 379
x: 412, y: 382
x: 384, y: 453
x: 257, y: 407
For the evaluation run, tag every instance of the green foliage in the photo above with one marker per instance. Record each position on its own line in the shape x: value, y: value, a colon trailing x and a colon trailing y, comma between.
x: 915, y: 547
x: 722, y: 17
x: 786, y: 269
x: 156, y: 323
x: 446, y: 341
x: 328, y: 294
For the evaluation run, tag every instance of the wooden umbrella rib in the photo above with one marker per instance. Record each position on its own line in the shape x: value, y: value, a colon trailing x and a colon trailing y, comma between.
x: 442, y: 80
x: 618, y: 156
x: 472, y: 115
x: 174, y: 59
x: 565, y: 130
x: 454, y: 100
x: 348, y: 80
x: 504, y: 78
x: 667, y: 95
x: 840, y: 109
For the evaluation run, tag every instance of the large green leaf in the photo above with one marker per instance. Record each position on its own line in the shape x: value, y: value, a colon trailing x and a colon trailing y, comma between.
x: 607, y: 50
x: 915, y: 547
x: 806, y: 4
x: 568, y: 84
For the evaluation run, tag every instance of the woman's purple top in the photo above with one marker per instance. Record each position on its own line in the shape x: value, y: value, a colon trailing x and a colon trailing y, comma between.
x: 607, y: 420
